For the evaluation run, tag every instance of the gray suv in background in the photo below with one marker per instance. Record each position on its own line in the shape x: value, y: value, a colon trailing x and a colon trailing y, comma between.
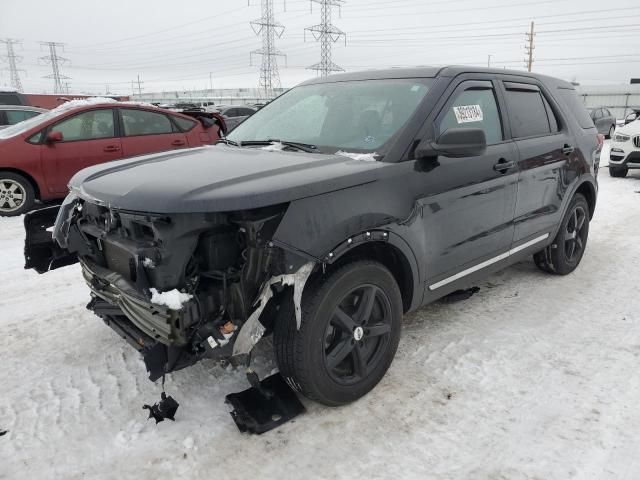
x: 604, y: 121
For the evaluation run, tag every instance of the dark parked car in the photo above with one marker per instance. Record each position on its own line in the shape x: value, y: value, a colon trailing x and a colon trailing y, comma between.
x: 38, y: 156
x: 328, y: 214
x: 234, y: 114
x: 12, y: 114
x: 604, y: 121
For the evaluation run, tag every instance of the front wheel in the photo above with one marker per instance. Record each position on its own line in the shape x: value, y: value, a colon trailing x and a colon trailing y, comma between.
x: 16, y: 194
x: 612, y: 130
x: 349, y: 334
x: 565, y: 252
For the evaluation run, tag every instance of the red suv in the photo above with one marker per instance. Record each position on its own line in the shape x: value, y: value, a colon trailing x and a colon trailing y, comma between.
x: 39, y: 156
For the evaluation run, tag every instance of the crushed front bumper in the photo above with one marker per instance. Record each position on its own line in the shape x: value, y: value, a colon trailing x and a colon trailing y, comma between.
x: 157, y: 322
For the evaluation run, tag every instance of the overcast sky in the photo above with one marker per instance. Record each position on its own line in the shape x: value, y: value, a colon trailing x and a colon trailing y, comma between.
x: 177, y: 44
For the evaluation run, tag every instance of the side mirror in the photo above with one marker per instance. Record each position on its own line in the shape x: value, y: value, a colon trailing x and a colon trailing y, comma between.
x: 54, y: 136
x: 455, y: 142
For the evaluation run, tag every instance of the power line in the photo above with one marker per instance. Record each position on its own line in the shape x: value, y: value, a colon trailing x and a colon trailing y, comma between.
x: 55, y: 60
x: 269, y: 29
x: 13, y: 60
x: 327, y: 34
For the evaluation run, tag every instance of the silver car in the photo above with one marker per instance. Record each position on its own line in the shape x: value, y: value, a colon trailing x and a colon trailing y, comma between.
x: 12, y: 114
x: 603, y: 120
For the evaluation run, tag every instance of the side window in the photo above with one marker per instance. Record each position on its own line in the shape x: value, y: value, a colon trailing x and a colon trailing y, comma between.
x: 598, y: 114
x: 15, y: 116
x: 142, y: 122
x: 87, y: 126
x: 527, y: 112
x: 553, y: 120
x: 232, y: 112
x: 244, y: 112
x: 475, y: 107
x: 606, y: 112
x: 185, y: 123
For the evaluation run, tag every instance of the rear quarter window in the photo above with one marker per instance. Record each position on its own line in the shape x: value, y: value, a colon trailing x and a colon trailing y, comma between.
x: 571, y: 100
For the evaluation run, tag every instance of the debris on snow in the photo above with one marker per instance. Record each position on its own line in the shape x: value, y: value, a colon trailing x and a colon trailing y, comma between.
x: 173, y: 299
x: 3, y: 432
x: 460, y: 295
x: 165, y: 408
x: 274, y: 147
x: 363, y: 157
x: 148, y: 263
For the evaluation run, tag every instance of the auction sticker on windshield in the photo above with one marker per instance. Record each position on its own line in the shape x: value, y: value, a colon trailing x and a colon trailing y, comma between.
x: 468, y: 113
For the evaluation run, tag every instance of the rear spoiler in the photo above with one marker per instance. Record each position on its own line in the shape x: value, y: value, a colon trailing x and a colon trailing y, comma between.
x: 208, y: 119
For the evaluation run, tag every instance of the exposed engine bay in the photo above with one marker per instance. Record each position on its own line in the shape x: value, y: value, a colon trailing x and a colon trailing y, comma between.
x: 180, y: 287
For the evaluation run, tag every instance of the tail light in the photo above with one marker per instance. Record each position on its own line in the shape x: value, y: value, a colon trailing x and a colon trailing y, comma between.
x: 600, y: 139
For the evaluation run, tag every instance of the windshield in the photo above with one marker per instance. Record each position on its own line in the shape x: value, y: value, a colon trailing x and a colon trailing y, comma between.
x: 359, y: 116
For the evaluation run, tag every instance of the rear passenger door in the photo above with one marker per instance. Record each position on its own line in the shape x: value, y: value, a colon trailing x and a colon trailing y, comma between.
x: 546, y: 150
x: 144, y: 131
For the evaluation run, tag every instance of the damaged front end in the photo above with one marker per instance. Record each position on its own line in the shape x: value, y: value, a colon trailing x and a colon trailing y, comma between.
x: 178, y: 287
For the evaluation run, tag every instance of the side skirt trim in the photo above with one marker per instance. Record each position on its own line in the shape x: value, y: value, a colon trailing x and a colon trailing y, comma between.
x: 486, y: 263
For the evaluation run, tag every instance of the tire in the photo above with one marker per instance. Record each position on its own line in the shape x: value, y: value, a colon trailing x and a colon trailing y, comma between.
x: 612, y: 130
x: 618, y: 172
x: 565, y: 252
x: 16, y: 194
x: 339, y: 354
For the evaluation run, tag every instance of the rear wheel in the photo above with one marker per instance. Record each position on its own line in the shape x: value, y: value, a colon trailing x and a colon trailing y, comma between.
x: 16, y: 194
x: 618, y: 171
x: 348, y: 336
x: 565, y: 252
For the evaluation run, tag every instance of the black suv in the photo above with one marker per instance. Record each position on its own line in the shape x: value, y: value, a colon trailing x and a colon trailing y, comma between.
x: 328, y: 214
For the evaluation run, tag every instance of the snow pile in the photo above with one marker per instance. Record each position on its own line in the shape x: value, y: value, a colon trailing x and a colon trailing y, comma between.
x: 274, y: 147
x: 81, y: 102
x: 363, y: 157
x: 173, y: 299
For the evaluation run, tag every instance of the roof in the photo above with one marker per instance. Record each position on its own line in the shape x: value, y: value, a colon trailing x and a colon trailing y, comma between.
x: 431, y: 72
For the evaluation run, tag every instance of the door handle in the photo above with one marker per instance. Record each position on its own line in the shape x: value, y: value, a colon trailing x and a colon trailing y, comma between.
x: 503, y: 165
x: 111, y: 148
x: 567, y: 149
x: 177, y: 143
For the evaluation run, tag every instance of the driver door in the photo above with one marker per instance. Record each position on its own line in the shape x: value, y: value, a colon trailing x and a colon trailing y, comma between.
x: 468, y: 216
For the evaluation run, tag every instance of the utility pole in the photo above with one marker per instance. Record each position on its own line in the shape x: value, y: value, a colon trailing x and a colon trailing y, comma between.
x: 139, y: 82
x: 489, y: 61
x: 13, y: 61
x: 326, y: 34
x: 269, y: 29
x: 55, y: 61
x: 529, y: 47
x: 211, y: 82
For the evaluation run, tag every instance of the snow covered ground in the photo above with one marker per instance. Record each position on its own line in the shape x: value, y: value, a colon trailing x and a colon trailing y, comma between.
x: 535, y: 377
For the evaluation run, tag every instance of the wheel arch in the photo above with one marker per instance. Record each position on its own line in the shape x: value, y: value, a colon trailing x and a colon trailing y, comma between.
x: 390, y: 250
x: 587, y: 190
x: 30, y: 179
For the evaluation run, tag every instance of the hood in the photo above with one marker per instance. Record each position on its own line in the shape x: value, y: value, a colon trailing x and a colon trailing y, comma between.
x: 219, y: 178
x: 632, y: 128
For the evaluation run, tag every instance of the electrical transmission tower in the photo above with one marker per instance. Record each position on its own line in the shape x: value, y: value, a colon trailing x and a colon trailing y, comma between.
x: 13, y: 61
x: 55, y: 61
x: 269, y: 29
x: 327, y: 34
x: 529, y: 47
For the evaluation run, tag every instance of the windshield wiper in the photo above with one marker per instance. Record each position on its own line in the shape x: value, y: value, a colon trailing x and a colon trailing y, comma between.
x: 227, y: 142
x: 305, y: 147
